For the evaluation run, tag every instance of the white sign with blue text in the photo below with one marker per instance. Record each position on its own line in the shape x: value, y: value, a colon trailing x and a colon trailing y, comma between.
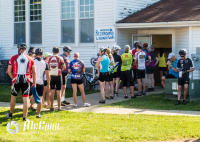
x: 105, y: 34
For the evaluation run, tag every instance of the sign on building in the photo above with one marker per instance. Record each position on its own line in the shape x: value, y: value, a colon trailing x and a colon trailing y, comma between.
x: 105, y: 34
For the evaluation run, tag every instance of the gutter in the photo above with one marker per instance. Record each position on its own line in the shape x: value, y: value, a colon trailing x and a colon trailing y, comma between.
x: 157, y: 24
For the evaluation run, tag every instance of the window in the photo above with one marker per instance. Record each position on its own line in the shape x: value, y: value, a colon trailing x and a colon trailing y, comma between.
x: 86, y: 21
x: 67, y: 21
x: 19, y: 21
x: 35, y: 22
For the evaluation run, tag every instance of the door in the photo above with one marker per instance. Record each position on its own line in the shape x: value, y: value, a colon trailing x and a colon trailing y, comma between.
x: 141, y: 39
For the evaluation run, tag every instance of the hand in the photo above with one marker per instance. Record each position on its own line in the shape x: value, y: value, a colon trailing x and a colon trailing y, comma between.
x: 33, y: 85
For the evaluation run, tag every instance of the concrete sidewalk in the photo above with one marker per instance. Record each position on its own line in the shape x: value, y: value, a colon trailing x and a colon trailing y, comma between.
x: 95, y: 107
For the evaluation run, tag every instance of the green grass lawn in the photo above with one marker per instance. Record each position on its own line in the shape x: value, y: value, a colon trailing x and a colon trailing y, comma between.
x: 156, y: 101
x: 5, y: 93
x: 90, y: 127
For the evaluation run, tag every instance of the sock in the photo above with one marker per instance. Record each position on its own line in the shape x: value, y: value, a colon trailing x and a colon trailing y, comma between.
x: 63, y: 98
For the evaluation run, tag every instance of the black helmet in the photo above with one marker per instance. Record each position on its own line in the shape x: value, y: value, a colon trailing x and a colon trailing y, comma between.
x: 67, y: 49
x: 55, y: 49
x: 182, y: 52
x: 39, y: 51
x: 31, y: 50
x: 22, y: 45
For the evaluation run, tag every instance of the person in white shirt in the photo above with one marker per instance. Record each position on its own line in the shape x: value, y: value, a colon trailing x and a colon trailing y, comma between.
x: 140, y: 59
x: 41, y: 69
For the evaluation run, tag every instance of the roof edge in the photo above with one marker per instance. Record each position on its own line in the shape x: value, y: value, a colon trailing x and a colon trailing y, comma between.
x: 158, y: 24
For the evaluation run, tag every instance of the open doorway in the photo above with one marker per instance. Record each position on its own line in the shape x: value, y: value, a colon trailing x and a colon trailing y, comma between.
x: 161, y: 43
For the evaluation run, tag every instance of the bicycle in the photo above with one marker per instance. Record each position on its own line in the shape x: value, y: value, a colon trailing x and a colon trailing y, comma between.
x: 91, y: 79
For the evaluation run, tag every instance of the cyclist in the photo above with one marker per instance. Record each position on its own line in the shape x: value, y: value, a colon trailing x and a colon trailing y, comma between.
x: 110, y: 83
x: 67, y: 50
x: 185, y: 66
x: 56, y: 65
x: 41, y: 69
x: 127, y: 60
x: 19, y: 69
x: 103, y: 72
x: 172, y: 66
x: 140, y: 57
x: 31, y: 53
x: 77, y: 68
x: 46, y: 90
x: 117, y: 68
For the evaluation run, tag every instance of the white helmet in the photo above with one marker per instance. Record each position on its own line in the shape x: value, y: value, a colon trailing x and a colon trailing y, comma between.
x: 116, y: 47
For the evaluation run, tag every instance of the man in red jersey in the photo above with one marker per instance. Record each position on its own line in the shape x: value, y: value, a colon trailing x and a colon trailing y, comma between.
x: 19, y: 69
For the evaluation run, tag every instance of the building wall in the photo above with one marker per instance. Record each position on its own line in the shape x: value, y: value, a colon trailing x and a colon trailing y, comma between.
x: 6, y: 29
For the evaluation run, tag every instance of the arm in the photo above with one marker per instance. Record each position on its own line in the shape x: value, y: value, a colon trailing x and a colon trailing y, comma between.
x: 48, y: 78
x: 10, y: 71
x: 156, y: 61
x: 34, y: 75
x: 62, y: 64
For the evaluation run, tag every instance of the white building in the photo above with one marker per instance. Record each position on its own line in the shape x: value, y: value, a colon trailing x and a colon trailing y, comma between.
x: 88, y: 24
x: 48, y: 23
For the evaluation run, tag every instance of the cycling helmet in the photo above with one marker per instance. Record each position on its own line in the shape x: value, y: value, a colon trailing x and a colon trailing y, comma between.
x: 46, y: 54
x: 67, y: 49
x: 116, y: 47
x: 31, y: 50
x: 39, y: 51
x: 182, y: 52
x: 22, y: 45
x: 55, y: 49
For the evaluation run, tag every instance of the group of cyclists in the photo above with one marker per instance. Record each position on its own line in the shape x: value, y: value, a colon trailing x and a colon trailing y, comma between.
x: 134, y: 64
x: 48, y: 74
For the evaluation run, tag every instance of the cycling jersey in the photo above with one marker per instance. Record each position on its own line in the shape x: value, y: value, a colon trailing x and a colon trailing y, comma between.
x: 133, y: 54
x: 66, y: 61
x: 118, y: 62
x: 55, y: 64
x: 127, y: 60
x: 40, y: 67
x: 185, y: 65
x: 162, y: 61
x: 140, y: 60
x: 21, y: 65
x: 76, y: 67
x: 171, y: 71
x: 104, y: 64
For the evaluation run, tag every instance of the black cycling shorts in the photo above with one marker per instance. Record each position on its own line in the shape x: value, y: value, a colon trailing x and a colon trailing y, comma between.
x: 125, y: 77
x: 39, y: 89
x: 163, y: 69
x: 104, y: 77
x: 184, y: 80
x: 20, y: 84
x: 45, y: 82
x: 55, y: 82
x: 150, y: 70
x: 116, y: 74
x: 77, y: 81
x: 140, y: 74
x: 64, y: 78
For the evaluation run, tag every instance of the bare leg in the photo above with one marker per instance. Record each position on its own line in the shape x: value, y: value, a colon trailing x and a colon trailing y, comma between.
x: 81, y: 88
x: 185, y: 91
x: 179, y: 92
x: 12, y: 103
x: 124, y: 90
x: 139, y: 85
x: 39, y: 107
x: 107, y: 89
x: 58, y: 92
x: 111, y: 88
x: 143, y: 84
x: 102, y: 85
x: 132, y: 90
x: 25, y: 106
x: 149, y: 80
x: 52, y: 97
x: 117, y: 84
x: 74, y: 87
x: 63, y: 92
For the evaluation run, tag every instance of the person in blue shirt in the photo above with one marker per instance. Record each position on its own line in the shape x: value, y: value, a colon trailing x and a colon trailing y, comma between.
x: 103, y: 72
x: 77, y: 68
x: 172, y: 66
